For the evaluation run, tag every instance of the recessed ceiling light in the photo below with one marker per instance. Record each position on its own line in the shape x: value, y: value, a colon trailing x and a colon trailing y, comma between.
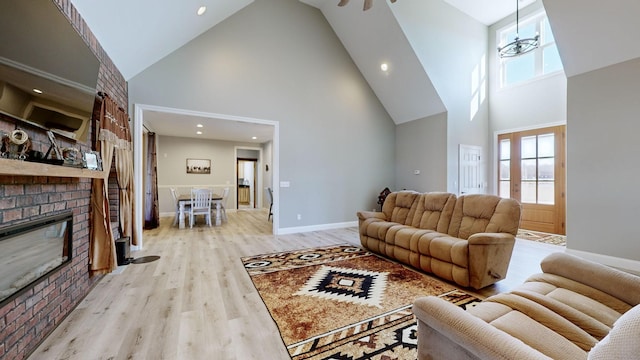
x: 199, y: 125
x: 199, y: 132
x: 384, y: 66
x: 202, y: 10
x: 37, y: 91
x: 254, y: 138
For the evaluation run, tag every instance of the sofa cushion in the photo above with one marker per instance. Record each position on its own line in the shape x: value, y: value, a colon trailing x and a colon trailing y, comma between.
x: 477, y: 213
x: 472, y: 214
x: 622, y: 341
x: 399, y: 207
x: 434, y: 211
x: 450, y: 249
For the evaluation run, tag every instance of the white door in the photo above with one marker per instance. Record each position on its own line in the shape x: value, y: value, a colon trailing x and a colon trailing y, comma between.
x: 470, y: 179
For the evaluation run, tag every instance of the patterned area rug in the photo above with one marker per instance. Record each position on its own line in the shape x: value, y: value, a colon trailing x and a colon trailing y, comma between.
x: 542, y: 237
x: 342, y: 302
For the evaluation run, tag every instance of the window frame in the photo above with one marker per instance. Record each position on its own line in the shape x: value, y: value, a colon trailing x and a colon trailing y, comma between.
x: 539, y: 18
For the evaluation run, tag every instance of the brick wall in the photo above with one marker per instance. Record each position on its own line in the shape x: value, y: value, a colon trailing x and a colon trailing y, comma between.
x: 28, y: 319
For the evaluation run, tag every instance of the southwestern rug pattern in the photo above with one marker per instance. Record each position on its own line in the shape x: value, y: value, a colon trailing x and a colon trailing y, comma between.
x: 343, y: 302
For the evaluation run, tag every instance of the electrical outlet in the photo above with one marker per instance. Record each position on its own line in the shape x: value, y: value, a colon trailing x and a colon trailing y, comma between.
x: 299, y: 217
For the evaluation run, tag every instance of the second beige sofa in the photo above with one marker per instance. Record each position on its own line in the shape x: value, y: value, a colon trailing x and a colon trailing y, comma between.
x: 575, y: 309
x: 467, y: 240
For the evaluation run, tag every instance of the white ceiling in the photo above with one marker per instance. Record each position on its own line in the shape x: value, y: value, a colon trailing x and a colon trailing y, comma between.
x: 170, y: 124
x: 405, y: 90
x: 602, y: 33
x: 138, y: 33
x: 485, y: 11
x: 488, y: 11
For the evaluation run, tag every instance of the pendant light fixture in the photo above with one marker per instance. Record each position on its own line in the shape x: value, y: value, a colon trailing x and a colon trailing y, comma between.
x: 367, y: 3
x: 519, y: 46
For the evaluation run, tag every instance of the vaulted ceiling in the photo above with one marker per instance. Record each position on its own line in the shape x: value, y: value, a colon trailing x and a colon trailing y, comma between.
x: 590, y: 34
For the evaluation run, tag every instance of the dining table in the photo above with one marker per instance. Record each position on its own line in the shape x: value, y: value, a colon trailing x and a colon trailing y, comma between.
x: 185, y: 199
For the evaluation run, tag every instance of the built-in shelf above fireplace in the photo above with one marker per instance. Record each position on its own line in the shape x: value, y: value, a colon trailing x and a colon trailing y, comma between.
x: 27, y: 168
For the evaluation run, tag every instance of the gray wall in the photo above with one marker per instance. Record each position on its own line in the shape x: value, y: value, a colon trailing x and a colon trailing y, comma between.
x: 603, y: 168
x: 421, y: 145
x: 452, y: 47
x: 172, y: 154
x: 279, y: 60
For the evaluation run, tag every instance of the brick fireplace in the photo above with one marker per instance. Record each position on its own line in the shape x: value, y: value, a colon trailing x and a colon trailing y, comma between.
x: 30, y: 317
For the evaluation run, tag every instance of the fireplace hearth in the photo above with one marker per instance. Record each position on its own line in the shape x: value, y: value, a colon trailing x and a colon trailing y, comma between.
x: 30, y: 251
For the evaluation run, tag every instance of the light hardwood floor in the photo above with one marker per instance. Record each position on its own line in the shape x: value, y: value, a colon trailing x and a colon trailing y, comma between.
x: 197, y: 301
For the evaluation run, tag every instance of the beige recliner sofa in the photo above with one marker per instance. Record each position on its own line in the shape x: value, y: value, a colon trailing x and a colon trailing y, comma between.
x: 467, y: 240
x: 574, y: 309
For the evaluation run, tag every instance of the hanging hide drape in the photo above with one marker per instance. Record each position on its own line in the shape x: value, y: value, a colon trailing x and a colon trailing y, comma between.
x: 114, y: 136
x: 151, y: 211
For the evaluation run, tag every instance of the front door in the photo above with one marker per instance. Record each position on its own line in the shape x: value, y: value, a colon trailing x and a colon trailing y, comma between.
x: 531, y: 169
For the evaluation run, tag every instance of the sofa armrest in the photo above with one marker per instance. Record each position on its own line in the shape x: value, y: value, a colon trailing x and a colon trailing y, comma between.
x: 491, y: 238
x: 364, y: 215
x: 446, y: 331
x: 489, y: 257
x: 617, y: 283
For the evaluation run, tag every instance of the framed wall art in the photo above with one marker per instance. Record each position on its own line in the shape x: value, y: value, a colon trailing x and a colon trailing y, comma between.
x: 198, y: 166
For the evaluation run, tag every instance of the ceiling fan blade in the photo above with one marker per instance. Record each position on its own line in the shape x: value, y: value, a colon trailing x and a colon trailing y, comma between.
x: 343, y: 2
x: 367, y: 4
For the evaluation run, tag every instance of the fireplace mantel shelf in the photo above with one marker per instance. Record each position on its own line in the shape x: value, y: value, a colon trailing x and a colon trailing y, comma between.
x: 27, y: 168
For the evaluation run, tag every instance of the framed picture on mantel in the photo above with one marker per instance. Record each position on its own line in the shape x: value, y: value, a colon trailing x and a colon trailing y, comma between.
x: 198, y: 166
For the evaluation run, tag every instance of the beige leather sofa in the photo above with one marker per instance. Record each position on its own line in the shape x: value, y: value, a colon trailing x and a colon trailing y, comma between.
x: 575, y: 309
x: 467, y: 240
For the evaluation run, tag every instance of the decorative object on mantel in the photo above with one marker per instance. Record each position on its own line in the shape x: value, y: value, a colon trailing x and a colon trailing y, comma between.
x: 367, y: 3
x: 15, y: 145
x: 72, y: 157
x: 54, y: 146
x: 519, y: 46
x: 92, y: 160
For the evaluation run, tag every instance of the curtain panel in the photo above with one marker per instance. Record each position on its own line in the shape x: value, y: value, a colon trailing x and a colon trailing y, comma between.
x: 151, y: 209
x: 114, y: 137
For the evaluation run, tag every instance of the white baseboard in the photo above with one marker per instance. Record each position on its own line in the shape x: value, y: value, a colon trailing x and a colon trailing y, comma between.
x: 620, y: 263
x: 302, y: 229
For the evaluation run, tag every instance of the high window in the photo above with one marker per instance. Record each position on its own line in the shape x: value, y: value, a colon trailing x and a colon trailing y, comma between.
x: 542, y: 61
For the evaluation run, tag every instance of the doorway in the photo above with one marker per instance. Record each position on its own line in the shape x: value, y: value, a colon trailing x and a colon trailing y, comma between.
x: 531, y: 169
x: 139, y: 119
x: 470, y: 179
x: 246, y: 183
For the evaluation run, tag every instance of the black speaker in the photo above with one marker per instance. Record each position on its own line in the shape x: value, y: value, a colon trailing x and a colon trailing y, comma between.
x: 123, y: 248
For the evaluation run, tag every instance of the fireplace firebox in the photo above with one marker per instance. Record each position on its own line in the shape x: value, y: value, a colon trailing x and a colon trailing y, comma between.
x: 30, y: 251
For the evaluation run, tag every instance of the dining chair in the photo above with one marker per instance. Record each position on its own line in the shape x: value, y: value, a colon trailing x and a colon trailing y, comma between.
x: 187, y: 207
x: 200, y: 205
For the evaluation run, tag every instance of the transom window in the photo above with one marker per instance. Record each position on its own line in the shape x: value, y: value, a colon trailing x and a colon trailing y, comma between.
x: 539, y: 62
